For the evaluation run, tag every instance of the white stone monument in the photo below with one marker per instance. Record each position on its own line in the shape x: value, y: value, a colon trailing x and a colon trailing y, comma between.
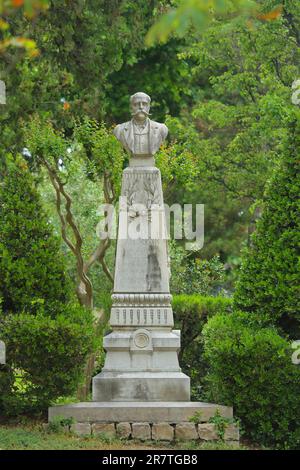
x: 2, y: 92
x: 2, y: 353
x: 141, y: 353
x: 141, y: 386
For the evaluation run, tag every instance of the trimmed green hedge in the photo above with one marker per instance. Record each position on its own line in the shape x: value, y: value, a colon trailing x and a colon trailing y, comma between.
x: 191, y: 313
x: 250, y: 368
x: 268, y: 287
x: 32, y: 270
x: 45, y: 358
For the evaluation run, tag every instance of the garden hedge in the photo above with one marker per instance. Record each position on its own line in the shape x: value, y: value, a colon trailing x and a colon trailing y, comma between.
x: 45, y: 358
x: 251, y: 369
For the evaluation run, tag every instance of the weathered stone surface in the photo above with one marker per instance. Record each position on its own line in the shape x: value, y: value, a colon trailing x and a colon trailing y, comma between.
x: 142, y: 386
x: 162, y: 432
x: 150, y: 412
x: 104, y: 428
x: 232, y: 433
x: 81, y: 429
x: 124, y: 430
x: 141, y: 363
x: 141, y: 431
x: 2, y: 353
x: 185, y: 431
x: 207, y: 432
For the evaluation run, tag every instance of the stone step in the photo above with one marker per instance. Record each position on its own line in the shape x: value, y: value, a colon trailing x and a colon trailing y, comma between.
x: 132, y: 412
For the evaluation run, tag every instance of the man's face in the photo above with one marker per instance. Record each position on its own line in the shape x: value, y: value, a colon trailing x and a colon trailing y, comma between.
x: 140, y: 107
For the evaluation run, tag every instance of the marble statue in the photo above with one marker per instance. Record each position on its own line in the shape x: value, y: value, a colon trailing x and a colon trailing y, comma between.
x: 141, y: 136
x: 142, y: 351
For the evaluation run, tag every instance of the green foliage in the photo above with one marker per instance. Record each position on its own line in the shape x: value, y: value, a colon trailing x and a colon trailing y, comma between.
x: 90, y: 168
x: 199, y: 13
x: 60, y: 423
x: 31, y: 268
x: 220, y: 424
x: 250, y: 368
x: 104, y: 155
x: 268, y: 287
x: 191, y: 313
x: 226, y: 140
x: 244, y: 73
x: 160, y: 73
x: 45, y: 357
x: 191, y: 275
x: 80, y: 47
x: 196, y: 418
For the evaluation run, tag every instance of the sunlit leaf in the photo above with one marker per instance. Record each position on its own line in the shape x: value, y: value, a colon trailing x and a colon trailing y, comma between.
x: 198, y: 13
x: 3, y: 25
x: 271, y: 15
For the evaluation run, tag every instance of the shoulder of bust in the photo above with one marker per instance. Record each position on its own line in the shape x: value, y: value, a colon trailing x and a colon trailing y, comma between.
x: 121, y: 127
x: 158, y: 124
x: 162, y: 127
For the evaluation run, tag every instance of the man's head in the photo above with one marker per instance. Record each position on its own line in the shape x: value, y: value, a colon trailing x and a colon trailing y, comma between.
x: 140, y: 105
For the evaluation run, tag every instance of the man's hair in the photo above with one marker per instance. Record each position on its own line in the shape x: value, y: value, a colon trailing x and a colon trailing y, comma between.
x: 138, y: 95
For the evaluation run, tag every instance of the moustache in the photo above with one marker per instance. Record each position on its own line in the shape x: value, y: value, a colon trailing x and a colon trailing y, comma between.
x: 140, y: 111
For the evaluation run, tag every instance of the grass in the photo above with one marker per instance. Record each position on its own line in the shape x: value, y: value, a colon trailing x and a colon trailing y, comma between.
x: 34, y: 437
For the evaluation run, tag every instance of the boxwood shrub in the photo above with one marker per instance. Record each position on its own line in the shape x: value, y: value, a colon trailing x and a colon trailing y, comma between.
x: 191, y: 313
x: 251, y: 368
x: 45, y: 358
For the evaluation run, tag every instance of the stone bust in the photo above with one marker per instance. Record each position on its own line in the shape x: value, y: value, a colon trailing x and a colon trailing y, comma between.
x: 141, y: 136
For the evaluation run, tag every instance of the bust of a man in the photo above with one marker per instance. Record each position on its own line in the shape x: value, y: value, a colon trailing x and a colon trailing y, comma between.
x: 141, y: 136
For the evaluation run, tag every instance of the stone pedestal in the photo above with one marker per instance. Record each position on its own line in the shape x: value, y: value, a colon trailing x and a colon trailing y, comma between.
x: 142, y: 351
x: 159, y: 421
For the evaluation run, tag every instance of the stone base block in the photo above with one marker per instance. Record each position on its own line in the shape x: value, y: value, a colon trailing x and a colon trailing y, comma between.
x: 142, y: 412
x: 81, y: 429
x: 207, y: 432
x: 186, y: 432
x: 159, y: 421
x: 141, y: 431
x: 162, y: 432
x: 232, y: 433
x: 107, y: 429
x: 124, y: 430
x: 141, y: 386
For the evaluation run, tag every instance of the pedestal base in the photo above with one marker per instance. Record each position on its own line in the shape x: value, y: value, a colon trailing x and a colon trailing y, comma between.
x: 141, y: 386
x: 132, y: 412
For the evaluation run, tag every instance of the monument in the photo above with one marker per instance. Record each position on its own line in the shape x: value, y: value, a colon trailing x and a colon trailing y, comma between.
x: 141, y: 386
x: 141, y: 353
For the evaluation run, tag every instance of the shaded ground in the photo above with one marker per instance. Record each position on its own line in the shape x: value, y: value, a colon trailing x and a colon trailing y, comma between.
x: 34, y: 437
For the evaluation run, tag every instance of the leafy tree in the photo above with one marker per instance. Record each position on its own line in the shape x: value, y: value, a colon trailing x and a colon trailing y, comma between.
x: 226, y: 142
x: 10, y: 8
x: 198, y: 13
x: 92, y: 158
x: 268, y: 288
x: 31, y: 268
x: 80, y: 46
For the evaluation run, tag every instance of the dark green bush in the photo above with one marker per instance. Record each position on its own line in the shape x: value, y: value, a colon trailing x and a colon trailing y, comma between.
x: 268, y: 287
x: 31, y: 266
x: 251, y: 368
x: 45, y: 357
x: 191, y: 312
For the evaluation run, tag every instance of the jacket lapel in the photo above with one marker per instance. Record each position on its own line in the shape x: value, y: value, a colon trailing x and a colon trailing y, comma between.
x: 128, y: 136
x: 153, y: 137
